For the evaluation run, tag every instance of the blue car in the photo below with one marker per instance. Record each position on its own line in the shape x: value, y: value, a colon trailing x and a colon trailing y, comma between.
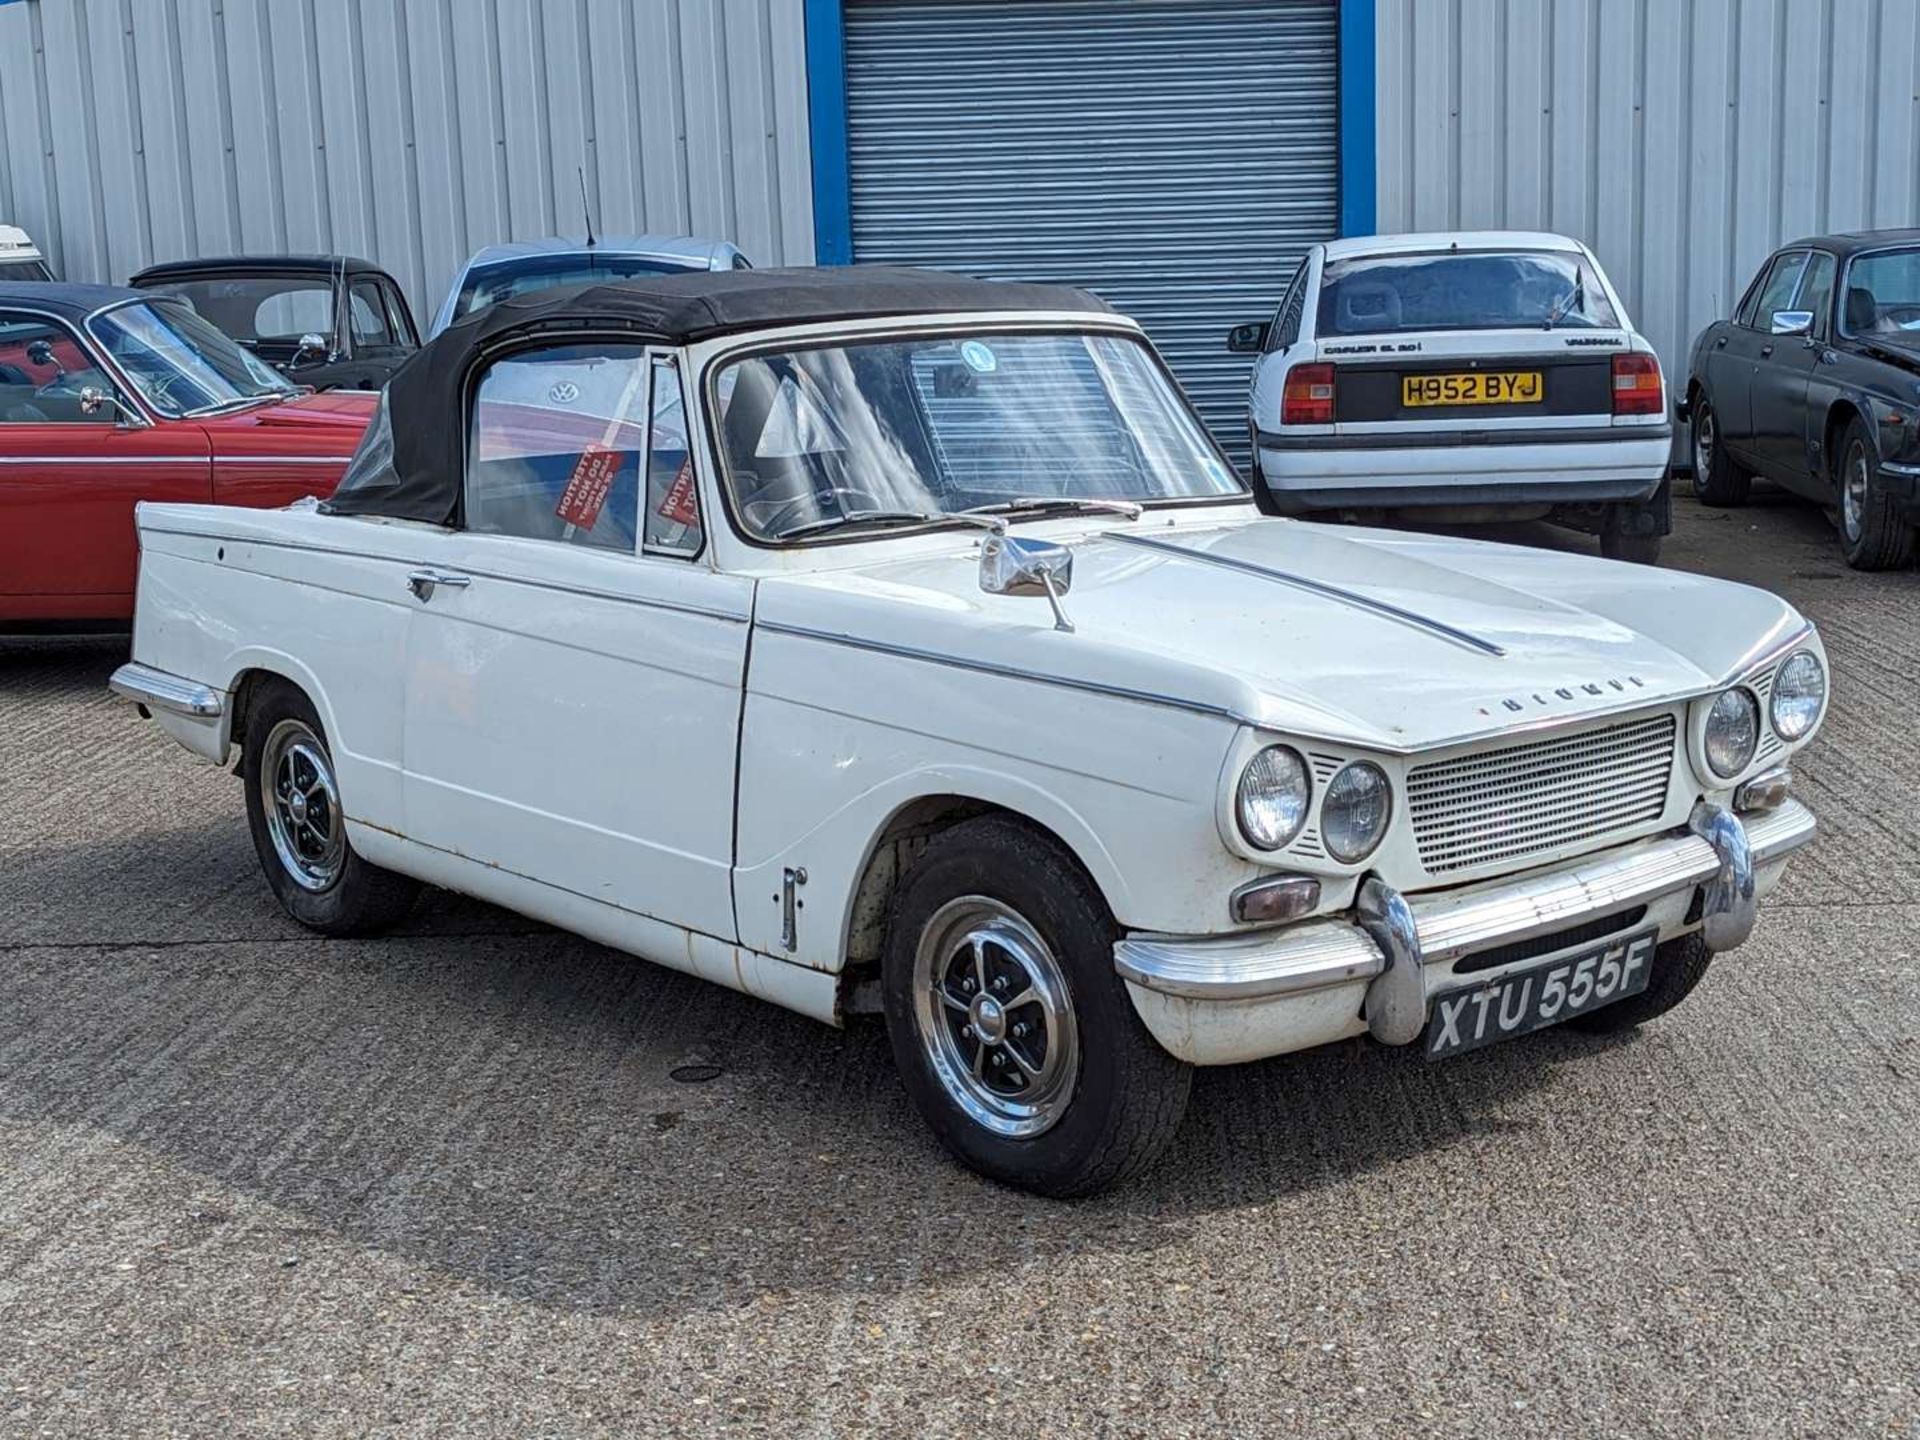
x: 496, y: 272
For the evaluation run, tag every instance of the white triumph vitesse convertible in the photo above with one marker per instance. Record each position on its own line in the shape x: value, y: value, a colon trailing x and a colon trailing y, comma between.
x: 875, y: 639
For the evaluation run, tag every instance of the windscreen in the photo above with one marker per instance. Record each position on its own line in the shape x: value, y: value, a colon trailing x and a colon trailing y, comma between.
x: 839, y: 437
x: 1463, y: 290
x: 494, y: 283
x: 180, y: 363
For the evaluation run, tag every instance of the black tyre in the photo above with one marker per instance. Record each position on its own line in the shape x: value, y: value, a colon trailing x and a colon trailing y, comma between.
x: 1677, y: 967
x: 1716, y: 479
x: 1873, y: 533
x: 1617, y: 544
x: 1012, y: 1031
x: 299, y: 829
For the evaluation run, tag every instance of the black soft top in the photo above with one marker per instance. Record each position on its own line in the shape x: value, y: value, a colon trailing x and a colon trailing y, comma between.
x: 410, y: 460
x: 254, y: 265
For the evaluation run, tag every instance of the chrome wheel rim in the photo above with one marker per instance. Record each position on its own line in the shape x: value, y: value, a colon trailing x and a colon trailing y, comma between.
x: 995, y: 1017
x: 1853, y: 494
x: 1702, y: 448
x: 302, y: 806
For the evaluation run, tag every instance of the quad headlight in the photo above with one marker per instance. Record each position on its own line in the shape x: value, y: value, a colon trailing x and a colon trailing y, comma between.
x: 1354, y: 814
x: 1733, y: 731
x: 1270, y: 802
x: 1799, y: 695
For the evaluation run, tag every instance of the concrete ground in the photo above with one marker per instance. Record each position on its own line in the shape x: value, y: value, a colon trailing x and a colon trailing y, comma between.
x: 259, y: 1183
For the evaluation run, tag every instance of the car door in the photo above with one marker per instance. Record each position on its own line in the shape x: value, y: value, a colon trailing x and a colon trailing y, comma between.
x: 1782, y: 376
x: 575, y: 667
x: 1742, y: 346
x: 69, y: 479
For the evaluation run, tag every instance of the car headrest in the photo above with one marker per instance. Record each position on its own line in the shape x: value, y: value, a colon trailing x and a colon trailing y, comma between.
x: 1365, y: 306
x: 1863, y: 311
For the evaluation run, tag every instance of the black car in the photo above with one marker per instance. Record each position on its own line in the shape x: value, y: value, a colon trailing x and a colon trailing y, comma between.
x: 1815, y: 384
x: 329, y: 321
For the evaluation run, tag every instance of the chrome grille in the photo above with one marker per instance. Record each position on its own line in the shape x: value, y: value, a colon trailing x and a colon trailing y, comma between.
x: 1503, y: 804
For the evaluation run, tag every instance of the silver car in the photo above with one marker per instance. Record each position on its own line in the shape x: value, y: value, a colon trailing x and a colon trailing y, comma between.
x: 497, y: 271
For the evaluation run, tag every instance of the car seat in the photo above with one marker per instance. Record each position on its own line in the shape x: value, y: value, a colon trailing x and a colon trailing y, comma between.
x: 1863, y: 311
x: 1374, y: 306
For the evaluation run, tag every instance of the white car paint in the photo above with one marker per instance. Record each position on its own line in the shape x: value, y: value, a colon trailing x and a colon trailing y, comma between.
x: 643, y: 749
x: 1381, y: 462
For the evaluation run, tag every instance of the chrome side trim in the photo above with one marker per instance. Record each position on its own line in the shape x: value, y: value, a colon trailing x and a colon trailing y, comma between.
x: 1010, y: 672
x: 587, y: 591
x: 159, y: 690
x: 93, y: 460
x: 1316, y: 587
x: 1448, y: 925
x: 281, y: 459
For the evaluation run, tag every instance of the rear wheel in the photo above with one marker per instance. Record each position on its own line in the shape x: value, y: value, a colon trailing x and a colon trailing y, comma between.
x: 1678, y: 966
x: 1873, y: 533
x: 300, y: 828
x: 1716, y: 479
x: 1012, y: 1031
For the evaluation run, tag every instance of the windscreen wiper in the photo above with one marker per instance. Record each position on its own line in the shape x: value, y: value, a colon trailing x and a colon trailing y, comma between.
x: 1041, y: 504
x: 890, y: 517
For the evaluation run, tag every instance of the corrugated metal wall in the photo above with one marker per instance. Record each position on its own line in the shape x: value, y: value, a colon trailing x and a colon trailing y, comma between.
x: 408, y: 131
x: 1681, y: 139
x: 1175, y: 156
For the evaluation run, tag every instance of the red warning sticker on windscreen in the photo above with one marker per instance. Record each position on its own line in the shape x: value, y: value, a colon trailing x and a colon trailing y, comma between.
x: 588, y: 487
x: 679, y: 505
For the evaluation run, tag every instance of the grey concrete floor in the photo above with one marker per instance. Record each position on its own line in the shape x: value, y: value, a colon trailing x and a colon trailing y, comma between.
x: 442, y: 1183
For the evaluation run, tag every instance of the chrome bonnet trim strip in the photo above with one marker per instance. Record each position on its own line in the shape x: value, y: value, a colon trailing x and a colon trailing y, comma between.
x: 1315, y: 587
x: 1010, y: 672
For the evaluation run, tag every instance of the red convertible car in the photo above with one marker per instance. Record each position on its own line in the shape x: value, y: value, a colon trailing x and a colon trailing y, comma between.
x: 111, y: 396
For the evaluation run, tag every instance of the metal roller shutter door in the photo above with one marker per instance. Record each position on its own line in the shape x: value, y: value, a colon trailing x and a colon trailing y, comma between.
x: 1175, y: 156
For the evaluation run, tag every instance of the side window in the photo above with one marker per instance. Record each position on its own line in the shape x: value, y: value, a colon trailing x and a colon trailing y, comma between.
x: 1286, y: 322
x: 399, y: 317
x: 367, y: 308
x: 553, y: 451
x: 1816, y: 291
x: 1775, y: 291
x: 43, y: 369
x: 673, y: 500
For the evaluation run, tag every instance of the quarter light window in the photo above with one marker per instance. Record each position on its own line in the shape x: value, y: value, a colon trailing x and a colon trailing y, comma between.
x: 673, y: 500
x: 555, y: 445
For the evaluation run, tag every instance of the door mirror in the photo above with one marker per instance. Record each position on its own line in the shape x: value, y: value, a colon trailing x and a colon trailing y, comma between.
x: 93, y: 400
x: 1792, y: 322
x: 1249, y: 339
x: 312, y: 343
x: 1009, y: 566
x: 39, y: 352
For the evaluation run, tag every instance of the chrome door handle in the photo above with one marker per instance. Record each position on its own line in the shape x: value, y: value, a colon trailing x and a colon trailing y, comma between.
x: 424, y: 582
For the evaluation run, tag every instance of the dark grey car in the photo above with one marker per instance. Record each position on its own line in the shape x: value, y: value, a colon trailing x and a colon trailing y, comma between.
x: 1814, y: 384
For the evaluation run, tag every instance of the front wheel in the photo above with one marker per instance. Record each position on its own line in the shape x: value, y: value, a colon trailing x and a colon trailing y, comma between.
x: 1011, y: 1029
x: 300, y: 828
x: 1873, y: 533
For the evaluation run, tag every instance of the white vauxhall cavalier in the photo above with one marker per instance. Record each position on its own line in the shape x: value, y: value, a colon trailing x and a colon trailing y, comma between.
x: 870, y: 639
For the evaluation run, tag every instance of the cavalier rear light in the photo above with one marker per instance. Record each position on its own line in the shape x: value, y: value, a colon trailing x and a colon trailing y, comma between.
x: 1636, y: 385
x: 1307, y: 398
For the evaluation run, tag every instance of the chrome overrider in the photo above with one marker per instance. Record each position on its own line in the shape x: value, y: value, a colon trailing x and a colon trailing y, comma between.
x: 1391, y: 939
x: 158, y: 690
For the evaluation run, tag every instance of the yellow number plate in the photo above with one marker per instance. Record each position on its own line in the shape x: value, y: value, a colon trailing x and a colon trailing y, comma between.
x: 1480, y: 387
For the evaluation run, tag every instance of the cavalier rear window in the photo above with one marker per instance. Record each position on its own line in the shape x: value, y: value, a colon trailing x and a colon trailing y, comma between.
x: 1465, y: 290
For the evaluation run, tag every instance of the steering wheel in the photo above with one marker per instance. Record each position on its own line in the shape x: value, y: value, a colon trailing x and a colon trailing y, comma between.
x: 769, y: 517
x: 1901, y: 314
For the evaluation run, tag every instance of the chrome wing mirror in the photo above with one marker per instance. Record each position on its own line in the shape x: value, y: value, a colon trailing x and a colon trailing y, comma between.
x: 1011, y: 566
x: 1792, y: 322
x: 312, y: 343
x: 93, y: 400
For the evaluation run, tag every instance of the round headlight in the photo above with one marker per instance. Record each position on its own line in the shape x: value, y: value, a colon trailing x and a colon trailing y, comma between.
x: 1799, y: 694
x: 1271, y: 799
x: 1353, y: 817
x: 1733, y: 730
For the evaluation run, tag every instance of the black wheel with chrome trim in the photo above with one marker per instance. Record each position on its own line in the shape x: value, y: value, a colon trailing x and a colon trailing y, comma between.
x: 1874, y: 534
x: 299, y: 821
x: 1716, y: 479
x: 1011, y: 1028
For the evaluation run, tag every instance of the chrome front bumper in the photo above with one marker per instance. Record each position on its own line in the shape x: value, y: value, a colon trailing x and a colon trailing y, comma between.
x: 1393, y: 940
